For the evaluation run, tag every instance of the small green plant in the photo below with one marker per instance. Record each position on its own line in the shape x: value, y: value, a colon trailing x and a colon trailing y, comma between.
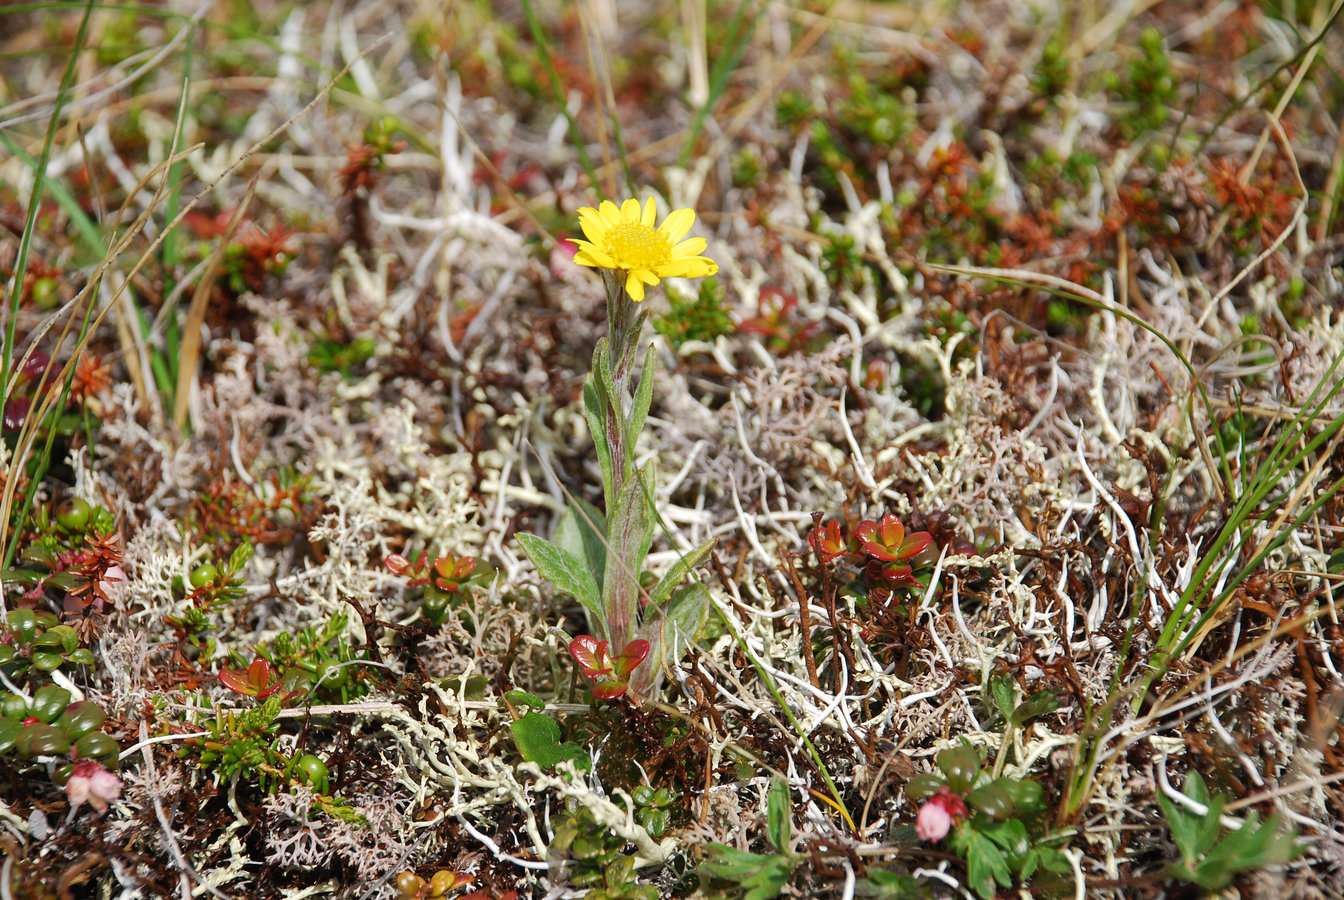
x: 1211, y: 858
x: 761, y: 875
x: 206, y: 589
x: 310, y: 662
x: 537, y: 736
x: 72, y: 557
x: 446, y: 580
x: 35, y: 640
x: 597, y: 557
x: 698, y: 318
x: 654, y: 808
x: 246, y: 744
x: 985, y: 819
x: 330, y: 355
x: 596, y: 860
x: 46, y: 726
x: 1148, y: 86
x: 1053, y: 73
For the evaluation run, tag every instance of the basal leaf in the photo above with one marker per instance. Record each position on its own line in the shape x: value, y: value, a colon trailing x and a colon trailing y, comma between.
x: 1038, y: 704
x: 1004, y: 694
x: 670, y: 629
x: 563, y: 570
x: 582, y: 533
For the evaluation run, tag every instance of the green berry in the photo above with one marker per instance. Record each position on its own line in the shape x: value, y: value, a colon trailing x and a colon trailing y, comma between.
x: 204, y: 574
x: 313, y: 771
x: 73, y: 514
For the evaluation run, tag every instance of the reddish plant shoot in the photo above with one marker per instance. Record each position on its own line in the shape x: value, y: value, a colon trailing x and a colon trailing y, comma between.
x: 610, y: 677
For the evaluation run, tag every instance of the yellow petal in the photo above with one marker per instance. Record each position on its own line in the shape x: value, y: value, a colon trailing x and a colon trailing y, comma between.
x: 588, y: 255
x: 630, y: 210
x: 650, y: 213
x: 634, y: 287
x: 677, y: 223
x: 689, y: 247
x: 593, y: 225
x: 609, y: 212
x: 695, y: 267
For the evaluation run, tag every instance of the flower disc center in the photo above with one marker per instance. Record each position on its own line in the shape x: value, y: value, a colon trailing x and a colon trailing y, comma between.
x: 634, y: 245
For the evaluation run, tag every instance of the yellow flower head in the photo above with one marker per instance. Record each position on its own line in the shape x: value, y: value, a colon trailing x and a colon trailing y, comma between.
x: 624, y: 238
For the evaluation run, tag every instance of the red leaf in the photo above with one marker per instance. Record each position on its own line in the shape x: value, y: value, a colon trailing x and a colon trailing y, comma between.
x: 916, y: 544
x: 609, y: 690
x: 634, y: 653
x: 590, y: 654
x: 259, y: 673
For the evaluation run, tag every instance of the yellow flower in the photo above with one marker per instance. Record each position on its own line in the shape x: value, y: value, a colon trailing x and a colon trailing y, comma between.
x: 624, y: 238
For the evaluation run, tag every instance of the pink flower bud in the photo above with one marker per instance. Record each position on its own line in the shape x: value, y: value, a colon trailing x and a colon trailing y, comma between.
x: 939, y: 813
x: 934, y: 821
x: 91, y: 782
x: 112, y: 575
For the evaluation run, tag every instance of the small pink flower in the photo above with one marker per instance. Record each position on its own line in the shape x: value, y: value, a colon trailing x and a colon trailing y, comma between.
x: 112, y: 575
x: 934, y: 821
x: 939, y: 813
x: 90, y: 781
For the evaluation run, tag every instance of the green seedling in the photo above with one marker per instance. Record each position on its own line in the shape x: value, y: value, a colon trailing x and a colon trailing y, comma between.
x: 1212, y: 857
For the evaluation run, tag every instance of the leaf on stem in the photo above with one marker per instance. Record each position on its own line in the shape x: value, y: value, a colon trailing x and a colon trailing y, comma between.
x: 563, y: 570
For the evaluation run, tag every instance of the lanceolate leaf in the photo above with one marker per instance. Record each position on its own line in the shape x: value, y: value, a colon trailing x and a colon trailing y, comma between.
x: 582, y: 533
x: 679, y: 570
x: 779, y: 815
x: 670, y: 629
x: 563, y: 570
x: 594, y: 410
x: 643, y: 397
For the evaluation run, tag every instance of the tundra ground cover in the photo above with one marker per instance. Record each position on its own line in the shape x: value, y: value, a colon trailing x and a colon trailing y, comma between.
x: 978, y: 515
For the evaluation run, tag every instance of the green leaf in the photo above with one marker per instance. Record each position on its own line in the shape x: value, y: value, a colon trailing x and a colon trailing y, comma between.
x: 523, y: 698
x: 241, y: 554
x: 984, y: 864
x: 1005, y: 694
x: 582, y: 533
x: 1038, y: 704
x: 538, y: 741
x: 670, y: 629
x: 563, y: 570
x: 763, y: 876
x: 1011, y: 835
x: 779, y: 815
x: 595, y: 411
x: 46, y: 661
x: 678, y: 571
x: 888, y: 885
x: 729, y: 863
x: 1207, y: 826
x: 643, y: 397
x: 767, y: 883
